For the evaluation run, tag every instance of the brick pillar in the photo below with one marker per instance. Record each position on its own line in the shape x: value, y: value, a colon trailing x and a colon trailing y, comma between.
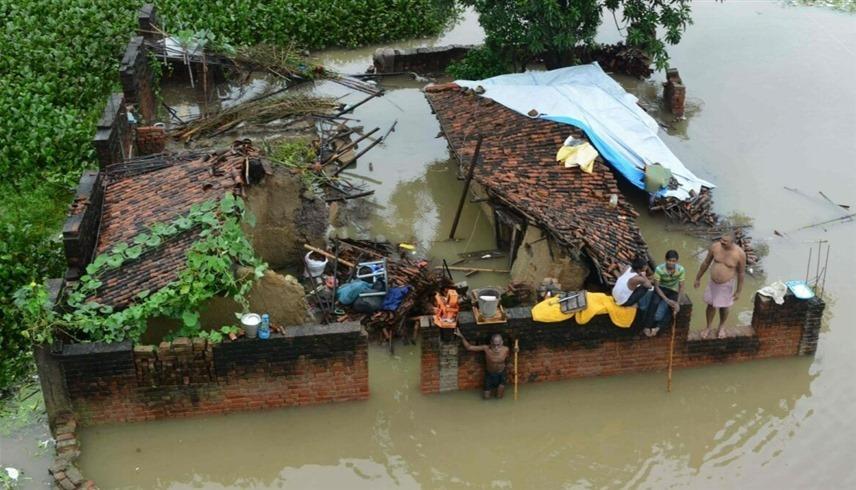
x: 674, y: 92
x: 136, y: 75
x: 811, y: 327
x: 150, y: 140
x: 112, y: 139
x: 148, y: 22
x: 429, y: 378
x: 449, y: 365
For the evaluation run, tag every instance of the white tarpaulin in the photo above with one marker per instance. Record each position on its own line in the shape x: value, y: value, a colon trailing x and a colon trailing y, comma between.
x: 586, y: 97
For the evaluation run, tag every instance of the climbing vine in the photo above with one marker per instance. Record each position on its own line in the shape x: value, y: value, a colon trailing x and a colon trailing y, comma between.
x: 208, y: 272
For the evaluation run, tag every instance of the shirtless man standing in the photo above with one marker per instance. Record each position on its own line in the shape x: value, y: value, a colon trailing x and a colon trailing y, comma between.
x: 729, y: 262
x: 495, y: 356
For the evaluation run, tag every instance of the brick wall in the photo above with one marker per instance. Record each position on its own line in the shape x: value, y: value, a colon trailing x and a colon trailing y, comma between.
x: 80, y: 229
x: 136, y: 76
x: 419, y: 60
x: 555, y: 351
x: 148, y: 22
x: 150, y: 140
x: 112, y: 141
x: 308, y: 365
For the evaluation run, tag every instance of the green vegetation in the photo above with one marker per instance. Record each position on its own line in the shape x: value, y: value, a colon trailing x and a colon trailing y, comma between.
x: 209, y: 272
x: 298, y: 155
x: 60, y: 60
x: 480, y: 62
x: 522, y: 31
x: 313, y: 24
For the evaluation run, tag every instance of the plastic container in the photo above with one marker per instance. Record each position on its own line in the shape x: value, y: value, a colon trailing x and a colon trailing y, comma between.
x: 314, y: 268
x: 264, y: 329
x: 251, y: 322
x: 488, y: 302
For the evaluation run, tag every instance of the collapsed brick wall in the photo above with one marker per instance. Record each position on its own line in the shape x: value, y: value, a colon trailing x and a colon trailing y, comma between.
x: 80, y: 229
x: 418, y: 60
x: 112, y: 141
x: 124, y: 383
x: 556, y: 351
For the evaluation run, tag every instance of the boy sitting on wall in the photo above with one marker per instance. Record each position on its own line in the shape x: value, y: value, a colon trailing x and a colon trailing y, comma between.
x: 668, y: 287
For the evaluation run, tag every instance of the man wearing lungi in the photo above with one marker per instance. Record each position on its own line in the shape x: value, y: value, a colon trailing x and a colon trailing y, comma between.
x: 726, y: 280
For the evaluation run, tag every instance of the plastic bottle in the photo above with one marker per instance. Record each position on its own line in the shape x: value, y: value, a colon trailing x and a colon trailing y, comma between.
x: 264, y: 331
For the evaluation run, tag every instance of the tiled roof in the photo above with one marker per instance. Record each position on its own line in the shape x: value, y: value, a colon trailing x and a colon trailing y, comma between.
x: 139, y: 193
x: 518, y: 167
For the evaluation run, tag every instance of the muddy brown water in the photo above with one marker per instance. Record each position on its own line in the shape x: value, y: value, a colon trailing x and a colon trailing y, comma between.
x: 771, y: 104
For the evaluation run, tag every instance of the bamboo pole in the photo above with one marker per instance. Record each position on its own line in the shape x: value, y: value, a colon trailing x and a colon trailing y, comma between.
x: 328, y: 255
x: 474, y: 269
x: 516, y: 348
x: 466, y: 187
x: 671, y: 352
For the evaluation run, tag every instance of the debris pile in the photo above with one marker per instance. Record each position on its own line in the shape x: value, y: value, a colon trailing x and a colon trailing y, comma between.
x: 698, y: 209
x: 402, y: 270
x: 262, y: 110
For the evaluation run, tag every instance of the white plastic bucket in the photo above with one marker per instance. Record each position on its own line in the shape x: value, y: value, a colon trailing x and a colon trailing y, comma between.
x: 314, y: 267
x: 250, y: 322
x: 488, y: 302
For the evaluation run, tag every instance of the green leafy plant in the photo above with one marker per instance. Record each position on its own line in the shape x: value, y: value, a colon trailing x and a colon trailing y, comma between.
x: 219, y: 335
x: 208, y: 272
x: 521, y: 31
x: 479, y: 63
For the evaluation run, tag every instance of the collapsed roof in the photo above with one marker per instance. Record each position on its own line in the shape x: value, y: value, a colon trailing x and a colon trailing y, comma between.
x: 518, y: 168
x: 157, y: 189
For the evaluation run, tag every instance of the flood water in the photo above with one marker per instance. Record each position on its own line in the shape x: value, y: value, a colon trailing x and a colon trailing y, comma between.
x: 772, y: 105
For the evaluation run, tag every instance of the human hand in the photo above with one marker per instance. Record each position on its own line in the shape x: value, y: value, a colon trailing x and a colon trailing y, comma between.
x: 696, y: 283
x: 458, y: 333
x: 735, y: 295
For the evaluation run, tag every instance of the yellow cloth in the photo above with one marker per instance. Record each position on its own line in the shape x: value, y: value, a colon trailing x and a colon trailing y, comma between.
x: 549, y: 310
x: 582, y: 155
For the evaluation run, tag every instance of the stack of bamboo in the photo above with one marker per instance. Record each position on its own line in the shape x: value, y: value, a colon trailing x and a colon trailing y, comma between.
x: 698, y: 209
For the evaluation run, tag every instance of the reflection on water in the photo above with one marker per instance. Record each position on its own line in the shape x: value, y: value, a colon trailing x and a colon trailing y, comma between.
x: 779, y: 109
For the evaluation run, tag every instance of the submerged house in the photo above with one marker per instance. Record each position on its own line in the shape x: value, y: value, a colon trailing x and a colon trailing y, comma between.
x: 557, y: 220
x: 554, y: 221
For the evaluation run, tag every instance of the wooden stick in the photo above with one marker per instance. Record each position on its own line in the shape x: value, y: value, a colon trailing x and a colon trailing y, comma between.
x: 352, y: 107
x: 466, y: 188
x: 516, y: 348
x: 349, y: 196
x: 341, y: 151
x: 841, y: 218
x: 358, y: 155
x: 671, y: 352
x: 476, y: 269
x: 328, y: 255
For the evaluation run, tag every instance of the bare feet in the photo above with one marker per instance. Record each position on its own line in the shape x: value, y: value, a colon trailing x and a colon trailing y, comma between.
x: 705, y: 333
x: 722, y: 333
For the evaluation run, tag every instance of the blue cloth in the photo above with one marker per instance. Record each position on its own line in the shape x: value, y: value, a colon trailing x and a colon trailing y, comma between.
x: 394, y: 297
x: 348, y: 293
